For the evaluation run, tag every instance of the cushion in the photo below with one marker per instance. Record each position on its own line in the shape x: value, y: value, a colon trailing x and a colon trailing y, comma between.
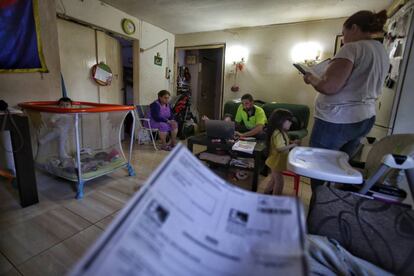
x: 379, y: 232
x: 296, y: 124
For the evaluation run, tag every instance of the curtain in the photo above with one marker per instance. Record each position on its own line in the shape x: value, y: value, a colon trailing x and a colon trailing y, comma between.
x: 20, y: 47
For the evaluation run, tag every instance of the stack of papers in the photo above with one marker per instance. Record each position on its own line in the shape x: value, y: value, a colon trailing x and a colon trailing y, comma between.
x: 188, y: 221
x: 244, y: 146
x: 242, y: 162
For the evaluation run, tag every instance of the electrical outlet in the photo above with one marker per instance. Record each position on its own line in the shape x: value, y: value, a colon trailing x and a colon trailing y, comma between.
x: 167, y: 73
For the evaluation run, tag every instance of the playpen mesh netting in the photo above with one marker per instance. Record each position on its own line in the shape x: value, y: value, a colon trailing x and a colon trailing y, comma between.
x: 86, y: 136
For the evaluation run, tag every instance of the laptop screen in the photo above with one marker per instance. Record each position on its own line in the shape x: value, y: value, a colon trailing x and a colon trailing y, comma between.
x: 220, y: 129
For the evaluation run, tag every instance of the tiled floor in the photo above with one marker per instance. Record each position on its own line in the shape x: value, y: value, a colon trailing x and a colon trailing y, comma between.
x: 49, y: 237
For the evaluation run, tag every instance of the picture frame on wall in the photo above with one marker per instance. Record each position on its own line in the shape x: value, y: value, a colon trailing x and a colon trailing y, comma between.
x: 191, y: 60
x: 339, y: 42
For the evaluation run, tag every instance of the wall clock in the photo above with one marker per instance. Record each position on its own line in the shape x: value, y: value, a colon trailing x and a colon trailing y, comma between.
x: 128, y: 26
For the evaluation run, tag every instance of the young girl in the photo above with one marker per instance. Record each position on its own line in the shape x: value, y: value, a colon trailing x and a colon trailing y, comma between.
x: 278, y: 145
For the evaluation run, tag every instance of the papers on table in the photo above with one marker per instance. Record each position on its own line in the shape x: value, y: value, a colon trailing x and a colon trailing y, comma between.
x: 188, y: 221
x: 247, y: 163
x: 244, y: 146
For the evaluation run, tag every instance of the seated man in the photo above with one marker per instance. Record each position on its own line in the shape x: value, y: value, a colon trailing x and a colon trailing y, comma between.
x: 250, y: 119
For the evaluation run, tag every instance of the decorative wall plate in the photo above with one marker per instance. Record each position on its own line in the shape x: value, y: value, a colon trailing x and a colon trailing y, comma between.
x: 102, y: 74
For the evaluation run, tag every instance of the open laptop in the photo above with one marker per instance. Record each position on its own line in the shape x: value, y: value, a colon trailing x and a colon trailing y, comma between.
x: 218, y: 129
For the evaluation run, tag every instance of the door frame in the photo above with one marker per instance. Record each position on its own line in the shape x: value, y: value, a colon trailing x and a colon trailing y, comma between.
x: 135, y: 51
x: 221, y: 46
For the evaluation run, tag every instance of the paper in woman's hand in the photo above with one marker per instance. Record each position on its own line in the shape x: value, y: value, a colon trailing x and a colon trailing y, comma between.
x: 300, y: 67
x: 188, y: 221
x: 317, y: 69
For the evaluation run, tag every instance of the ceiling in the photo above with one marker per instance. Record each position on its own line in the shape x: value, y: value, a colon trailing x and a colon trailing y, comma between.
x: 189, y: 16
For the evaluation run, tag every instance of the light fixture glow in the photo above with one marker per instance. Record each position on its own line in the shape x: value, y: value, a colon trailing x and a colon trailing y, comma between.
x: 236, y: 53
x: 306, y: 52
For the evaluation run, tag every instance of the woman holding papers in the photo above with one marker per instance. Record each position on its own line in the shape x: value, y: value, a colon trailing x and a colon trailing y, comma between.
x: 352, y: 81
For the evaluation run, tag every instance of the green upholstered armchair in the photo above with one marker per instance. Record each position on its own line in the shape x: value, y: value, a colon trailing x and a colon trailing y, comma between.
x: 300, y: 113
x: 230, y: 107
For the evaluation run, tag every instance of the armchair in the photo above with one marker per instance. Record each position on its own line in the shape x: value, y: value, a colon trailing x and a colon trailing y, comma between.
x: 300, y: 117
x: 300, y: 113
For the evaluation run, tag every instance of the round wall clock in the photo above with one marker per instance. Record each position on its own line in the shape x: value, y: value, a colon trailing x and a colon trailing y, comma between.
x: 128, y: 26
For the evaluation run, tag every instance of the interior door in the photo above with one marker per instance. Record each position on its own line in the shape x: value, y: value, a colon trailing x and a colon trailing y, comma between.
x: 207, y: 95
x: 109, y: 52
x: 77, y: 55
x: 80, y: 48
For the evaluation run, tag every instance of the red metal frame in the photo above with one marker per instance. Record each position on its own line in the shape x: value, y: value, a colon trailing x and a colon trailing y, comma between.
x: 296, y: 180
x: 52, y: 107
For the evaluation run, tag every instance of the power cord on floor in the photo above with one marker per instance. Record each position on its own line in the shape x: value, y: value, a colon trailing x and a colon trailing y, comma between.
x: 4, y: 107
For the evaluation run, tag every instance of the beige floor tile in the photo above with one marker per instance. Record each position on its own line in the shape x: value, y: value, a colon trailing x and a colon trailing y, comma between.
x: 57, y: 189
x: 11, y: 272
x: 59, y: 259
x: 5, y: 265
x: 10, y: 210
x: 9, y: 196
x: 103, y: 224
x: 54, y: 188
x: 94, y: 206
x: 24, y: 240
x: 121, y: 188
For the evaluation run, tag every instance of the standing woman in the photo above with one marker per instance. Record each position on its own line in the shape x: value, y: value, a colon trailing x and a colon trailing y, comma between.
x: 161, y: 117
x: 345, y: 105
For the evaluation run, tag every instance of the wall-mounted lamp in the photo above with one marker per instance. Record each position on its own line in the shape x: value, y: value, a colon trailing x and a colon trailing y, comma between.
x: 238, y: 66
x: 236, y: 56
x: 306, y: 52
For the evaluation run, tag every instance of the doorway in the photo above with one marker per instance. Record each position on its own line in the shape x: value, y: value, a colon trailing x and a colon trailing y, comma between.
x: 80, y: 47
x: 127, y: 63
x: 127, y: 68
x: 200, y: 72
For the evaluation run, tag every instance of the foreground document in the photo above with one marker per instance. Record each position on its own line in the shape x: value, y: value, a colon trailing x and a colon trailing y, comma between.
x: 188, y: 221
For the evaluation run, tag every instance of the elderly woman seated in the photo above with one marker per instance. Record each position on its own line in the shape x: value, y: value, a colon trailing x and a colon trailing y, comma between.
x: 162, y: 118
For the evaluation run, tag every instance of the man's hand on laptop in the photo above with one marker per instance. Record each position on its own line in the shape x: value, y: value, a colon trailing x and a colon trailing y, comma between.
x: 238, y: 134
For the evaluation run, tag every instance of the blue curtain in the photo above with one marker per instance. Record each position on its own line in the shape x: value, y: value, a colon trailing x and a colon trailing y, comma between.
x: 20, y: 48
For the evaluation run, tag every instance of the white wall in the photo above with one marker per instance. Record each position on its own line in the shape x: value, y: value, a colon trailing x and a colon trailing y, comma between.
x: 16, y: 88
x: 269, y: 74
x: 404, y: 115
x: 152, y: 77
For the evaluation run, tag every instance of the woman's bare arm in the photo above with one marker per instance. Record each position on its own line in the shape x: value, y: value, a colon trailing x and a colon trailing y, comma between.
x: 335, y: 77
